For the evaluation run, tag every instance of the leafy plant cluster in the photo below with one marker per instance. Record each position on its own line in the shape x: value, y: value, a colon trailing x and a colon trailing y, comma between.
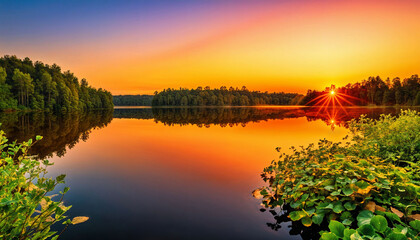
x: 27, y: 208
x: 382, y: 225
x: 396, y: 140
x: 337, y: 184
x: 36, y: 86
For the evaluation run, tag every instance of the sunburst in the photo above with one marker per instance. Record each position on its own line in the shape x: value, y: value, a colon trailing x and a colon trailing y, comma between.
x: 332, y: 98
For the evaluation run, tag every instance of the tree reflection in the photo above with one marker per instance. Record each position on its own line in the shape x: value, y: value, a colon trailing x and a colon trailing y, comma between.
x: 60, y: 132
x: 241, y: 116
x: 64, y: 131
x: 206, y: 117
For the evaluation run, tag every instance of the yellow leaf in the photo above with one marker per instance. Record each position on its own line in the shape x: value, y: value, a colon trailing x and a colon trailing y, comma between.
x: 415, y: 216
x: 399, y: 214
x: 379, y: 208
x: 43, y: 204
x: 32, y: 187
x: 257, y: 193
x: 78, y: 220
x: 364, y: 191
x: 371, y: 206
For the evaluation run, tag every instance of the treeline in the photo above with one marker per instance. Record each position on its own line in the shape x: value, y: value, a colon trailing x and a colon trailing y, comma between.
x: 222, y: 97
x: 376, y: 91
x: 34, y: 85
x: 133, y: 100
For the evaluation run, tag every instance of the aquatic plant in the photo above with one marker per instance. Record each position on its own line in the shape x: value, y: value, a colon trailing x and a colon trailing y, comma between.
x: 337, y: 184
x: 27, y: 207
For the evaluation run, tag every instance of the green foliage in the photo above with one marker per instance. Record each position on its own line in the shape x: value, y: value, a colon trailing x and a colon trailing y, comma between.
x: 27, y: 208
x: 132, y: 100
x: 6, y: 99
x: 35, y: 86
x: 373, y: 226
x: 22, y: 84
x: 334, y: 182
x: 222, y: 97
x: 393, y: 139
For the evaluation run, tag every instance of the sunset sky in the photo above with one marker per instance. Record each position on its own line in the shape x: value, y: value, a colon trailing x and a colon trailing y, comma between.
x: 131, y: 47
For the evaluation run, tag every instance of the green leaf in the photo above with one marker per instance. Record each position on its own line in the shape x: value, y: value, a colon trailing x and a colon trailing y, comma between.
x: 337, y: 228
x: 347, y: 233
x: 328, y: 236
x: 347, y: 191
x: 355, y: 236
x: 336, y: 193
x: 297, y: 215
x: 396, y: 236
x: 325, y: 206
x: 38, y: 137
x: 60, y: 178
x: 317, y: 218
x: 416, y: 225
x: 66, y: 189
x: 295, y: 204
x: 350, y: 206
x: 304, y: 197
x: 345, y: 215
x: 364, y: 217
x: 338, y: 207
x: 393, y: 217
x: 347, y: 222
x: 379, y: 223
x: 362, y: 184
x: 306, y: 221
x: 309, y: 211
x: 366, y: 230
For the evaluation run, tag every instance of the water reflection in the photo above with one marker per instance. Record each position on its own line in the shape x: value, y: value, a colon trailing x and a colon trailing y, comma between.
x: 154, y: 169
x: 60, y: 132
x: 241, y: 116
x: 296, y: 228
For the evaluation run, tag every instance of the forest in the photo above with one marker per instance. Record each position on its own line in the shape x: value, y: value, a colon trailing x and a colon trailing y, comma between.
x: 222, y: 97
x: 375, y: 91
x: 132, y: 100
x: 28, y: 85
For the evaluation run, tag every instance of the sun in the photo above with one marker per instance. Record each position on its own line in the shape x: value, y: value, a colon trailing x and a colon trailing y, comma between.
x: 331, y: 97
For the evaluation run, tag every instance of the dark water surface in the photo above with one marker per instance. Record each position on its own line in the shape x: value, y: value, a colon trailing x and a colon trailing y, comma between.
x: 174, y: 173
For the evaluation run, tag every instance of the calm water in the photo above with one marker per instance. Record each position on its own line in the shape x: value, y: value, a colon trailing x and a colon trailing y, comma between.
x: 174, y: 173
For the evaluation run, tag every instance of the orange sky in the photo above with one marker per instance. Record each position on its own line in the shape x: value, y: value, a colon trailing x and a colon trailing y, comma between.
x: 264, y: 45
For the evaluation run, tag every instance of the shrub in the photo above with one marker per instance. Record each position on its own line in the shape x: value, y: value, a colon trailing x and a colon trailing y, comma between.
x: 27, y: 211
x: 395, y: 139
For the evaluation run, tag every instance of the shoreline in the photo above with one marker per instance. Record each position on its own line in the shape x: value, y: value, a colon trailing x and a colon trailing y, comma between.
x: 267, y: 106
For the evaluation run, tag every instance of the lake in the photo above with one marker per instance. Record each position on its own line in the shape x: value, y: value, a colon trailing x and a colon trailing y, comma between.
x: 175, y: 173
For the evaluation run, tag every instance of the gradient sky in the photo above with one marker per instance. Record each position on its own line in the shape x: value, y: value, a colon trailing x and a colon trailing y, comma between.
x: 132, y: 47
